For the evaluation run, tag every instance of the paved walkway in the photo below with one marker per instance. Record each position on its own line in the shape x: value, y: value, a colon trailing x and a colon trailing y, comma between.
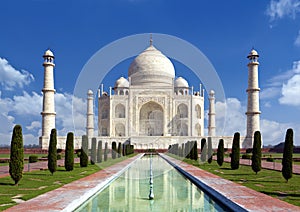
x: 266, y: 165
x: 4, y: 170
x: 70, y: 196
x: 244, y: 197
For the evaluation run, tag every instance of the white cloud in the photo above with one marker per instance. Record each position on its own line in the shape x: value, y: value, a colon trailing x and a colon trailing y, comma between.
x: 235, y: 121
x: 285, y: 87
x: 230, y: 117
x: 283, y: 8
x: 297, y: 40
x: 34, y: 125
x: 11, y: 78
x: 28, y: 104
x: 291, y: 91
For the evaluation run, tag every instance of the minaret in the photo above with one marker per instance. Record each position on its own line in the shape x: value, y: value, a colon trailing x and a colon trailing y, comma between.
x: 212, y: 115
x: 90, y: 115
x: 48, y: 113
x: 253, y: 113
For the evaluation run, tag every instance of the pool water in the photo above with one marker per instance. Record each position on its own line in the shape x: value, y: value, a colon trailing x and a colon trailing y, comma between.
x: 130, y: 192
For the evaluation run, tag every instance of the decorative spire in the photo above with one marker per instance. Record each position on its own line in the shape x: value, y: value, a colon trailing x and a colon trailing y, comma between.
x: 151, y: 40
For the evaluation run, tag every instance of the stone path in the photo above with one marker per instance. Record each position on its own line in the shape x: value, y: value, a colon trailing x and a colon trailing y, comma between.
x: 266, y: 165
x: 244, y: 197
x: 4, y: 170
x: 70, y: 196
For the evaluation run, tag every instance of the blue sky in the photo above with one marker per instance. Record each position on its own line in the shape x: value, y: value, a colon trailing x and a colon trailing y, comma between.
x: 225, y: 31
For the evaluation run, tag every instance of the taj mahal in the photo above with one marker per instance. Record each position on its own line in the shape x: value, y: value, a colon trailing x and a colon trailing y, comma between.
x: 151, y: 108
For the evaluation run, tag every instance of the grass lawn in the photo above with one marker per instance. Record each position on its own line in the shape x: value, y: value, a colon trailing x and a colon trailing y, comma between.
x: 38, y: 182
x: 266, y: 181
x: 25, y: 155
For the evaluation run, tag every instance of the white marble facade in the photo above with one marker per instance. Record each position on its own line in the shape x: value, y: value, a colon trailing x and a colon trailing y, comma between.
x: 154, y: 108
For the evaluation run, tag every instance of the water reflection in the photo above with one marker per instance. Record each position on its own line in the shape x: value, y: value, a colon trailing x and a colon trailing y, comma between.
x: 130, y: 192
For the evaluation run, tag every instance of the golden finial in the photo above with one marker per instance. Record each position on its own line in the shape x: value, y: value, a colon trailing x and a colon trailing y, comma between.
x: 151, y: 40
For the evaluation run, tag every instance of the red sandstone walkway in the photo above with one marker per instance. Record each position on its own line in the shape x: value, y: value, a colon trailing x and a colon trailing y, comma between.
x: 267, y: 165
x: 66, y: 198
x: 245, y: 197
x: 4, y: 170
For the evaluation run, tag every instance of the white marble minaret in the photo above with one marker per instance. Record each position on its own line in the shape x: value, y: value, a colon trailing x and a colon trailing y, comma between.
x: 212, y: 115
x: 253, y: 112
x: 90, y: 115
x: 48, y: 113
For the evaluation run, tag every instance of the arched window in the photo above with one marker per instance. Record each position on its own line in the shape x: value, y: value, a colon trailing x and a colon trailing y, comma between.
x: 120, y: 129
x: 120, y: 111
x: 151, y: 119
x: 198, y: 111
x: 198, y: 129
x: 104, y: 114
x: 182, y: 111
x: 182, y: 129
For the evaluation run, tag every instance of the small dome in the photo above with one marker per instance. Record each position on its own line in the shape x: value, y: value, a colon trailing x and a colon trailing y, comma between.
x: 253, y: 53
x: 122, y: 82
x: 151, y: 67
x: 212, y: 93
x: 181, y: 82
x: 90, y: 92
x: 49, y: 53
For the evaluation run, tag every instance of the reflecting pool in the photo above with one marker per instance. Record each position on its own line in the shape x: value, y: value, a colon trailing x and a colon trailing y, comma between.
x: 130, y: 191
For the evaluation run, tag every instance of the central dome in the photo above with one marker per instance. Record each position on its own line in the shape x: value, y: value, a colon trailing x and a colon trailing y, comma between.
x: 151, y: 67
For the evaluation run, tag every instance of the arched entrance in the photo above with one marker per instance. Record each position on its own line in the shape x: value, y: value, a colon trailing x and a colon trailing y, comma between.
x: 151, y: 119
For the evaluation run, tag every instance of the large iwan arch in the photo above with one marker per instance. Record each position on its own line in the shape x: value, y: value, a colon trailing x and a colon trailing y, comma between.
x: 151, y: 119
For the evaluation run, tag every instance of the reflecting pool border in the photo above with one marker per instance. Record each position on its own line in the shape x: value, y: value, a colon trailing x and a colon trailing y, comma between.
x: 100, y: 187
x: 212, y: 193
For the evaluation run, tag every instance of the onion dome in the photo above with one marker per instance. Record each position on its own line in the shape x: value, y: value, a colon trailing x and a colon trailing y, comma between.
x: 151, y: 67
x: 122, y: 83
x: 181, y: 83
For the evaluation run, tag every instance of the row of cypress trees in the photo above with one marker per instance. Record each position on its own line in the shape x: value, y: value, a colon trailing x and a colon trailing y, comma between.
x: 187, y: 150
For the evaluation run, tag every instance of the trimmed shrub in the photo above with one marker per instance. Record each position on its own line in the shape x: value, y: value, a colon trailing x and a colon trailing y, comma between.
x: 220, y: 152
x: 246, y: 156
x: 114, y: 150
x: 203, y: 149
x: 52, y: 152
x: 249, y: 150
x: 287, y: 160
x: 256, y: 153
x: 69, y: 154
x: 59, y: 156
x: 105, y: 151
x: 84, y: 158
x: 235, y: 154
x: 93, y: 151
x: 16, y: 163
x: 119, y: 150
x: 209, y: 150
x: 33, y: 159
x: 195, y: 151
x: 270, y: 159
x: 99, y: 152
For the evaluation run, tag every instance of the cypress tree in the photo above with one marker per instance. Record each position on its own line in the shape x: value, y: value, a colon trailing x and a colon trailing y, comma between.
x: 220, y: 153
x: 119, y: 149
x: 16, y: 163
x: 99, y: 152
x: 203, y: 149
x: 182, y: 150
x: 69, y: 152
x: 93, y: 151
x: 52, y: 152
x: 209, y: 150
x: 235, y: 152
x: 84, y: 152
x: 105, y: 151
x: 195, y: 151
x: 256, y: 153
x: 287, y: 160
x: 114, y: 150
